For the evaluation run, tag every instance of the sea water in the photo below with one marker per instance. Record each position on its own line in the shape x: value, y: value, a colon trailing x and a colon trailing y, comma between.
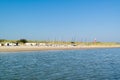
x: 89, y: 64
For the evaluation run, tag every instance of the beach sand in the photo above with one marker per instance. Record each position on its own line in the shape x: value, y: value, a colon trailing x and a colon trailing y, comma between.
x: 40, y: 48
x: 32, y: 48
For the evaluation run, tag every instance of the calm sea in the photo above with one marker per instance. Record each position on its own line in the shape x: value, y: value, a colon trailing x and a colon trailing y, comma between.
x: 91, y: 64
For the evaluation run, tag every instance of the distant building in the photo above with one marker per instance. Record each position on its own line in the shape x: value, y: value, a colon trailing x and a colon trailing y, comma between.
x: 42, y: 44
x: 7, y: 44
x: 11, y: 44
x: 30, y: 44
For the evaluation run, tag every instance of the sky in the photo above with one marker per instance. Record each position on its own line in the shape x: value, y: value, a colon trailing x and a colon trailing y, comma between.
x: 79, y: 20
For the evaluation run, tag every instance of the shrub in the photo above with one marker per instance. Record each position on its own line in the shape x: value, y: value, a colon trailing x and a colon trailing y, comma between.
x: 22, y: 41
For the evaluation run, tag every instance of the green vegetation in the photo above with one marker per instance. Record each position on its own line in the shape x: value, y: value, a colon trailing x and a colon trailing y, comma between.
x: 2, y: 40
x: 22, y: 41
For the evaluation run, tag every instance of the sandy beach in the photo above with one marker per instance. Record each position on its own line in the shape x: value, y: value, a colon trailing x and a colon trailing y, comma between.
x: 32, y: 48
x: 40, y: 48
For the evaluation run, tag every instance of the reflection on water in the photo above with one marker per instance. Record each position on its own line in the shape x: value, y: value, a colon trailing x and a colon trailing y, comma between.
x: 94, y: 64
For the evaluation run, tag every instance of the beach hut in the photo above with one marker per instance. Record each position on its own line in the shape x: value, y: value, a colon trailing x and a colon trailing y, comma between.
x: 9, y: 44
x: 42, y: 44
x: 6, y: 44
x: 30, y: 44
x: 0, y: 44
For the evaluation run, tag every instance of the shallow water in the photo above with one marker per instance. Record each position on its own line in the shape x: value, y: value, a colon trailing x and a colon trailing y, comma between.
x: 92, y: 64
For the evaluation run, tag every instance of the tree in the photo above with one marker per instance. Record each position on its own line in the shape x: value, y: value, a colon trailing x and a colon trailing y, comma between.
x: 22, y: 41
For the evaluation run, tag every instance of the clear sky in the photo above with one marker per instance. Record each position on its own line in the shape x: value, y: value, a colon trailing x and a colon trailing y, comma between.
x: 81, y: 20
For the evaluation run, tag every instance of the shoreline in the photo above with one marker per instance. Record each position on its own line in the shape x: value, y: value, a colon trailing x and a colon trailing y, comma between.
x: 44, y: 48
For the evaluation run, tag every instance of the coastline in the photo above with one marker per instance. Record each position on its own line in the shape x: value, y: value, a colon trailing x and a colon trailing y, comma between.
x: 44, y: 48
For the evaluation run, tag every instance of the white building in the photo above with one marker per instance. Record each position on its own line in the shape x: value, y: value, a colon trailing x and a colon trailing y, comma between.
x: 9, y: 44
x: 30, y: 44
x: 42, y: 44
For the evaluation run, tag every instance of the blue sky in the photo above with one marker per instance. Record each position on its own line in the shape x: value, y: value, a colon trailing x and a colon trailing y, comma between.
x: 81, y: 20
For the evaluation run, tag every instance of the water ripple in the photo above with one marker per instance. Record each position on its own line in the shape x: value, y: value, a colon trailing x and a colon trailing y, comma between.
x: 94, y: 64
